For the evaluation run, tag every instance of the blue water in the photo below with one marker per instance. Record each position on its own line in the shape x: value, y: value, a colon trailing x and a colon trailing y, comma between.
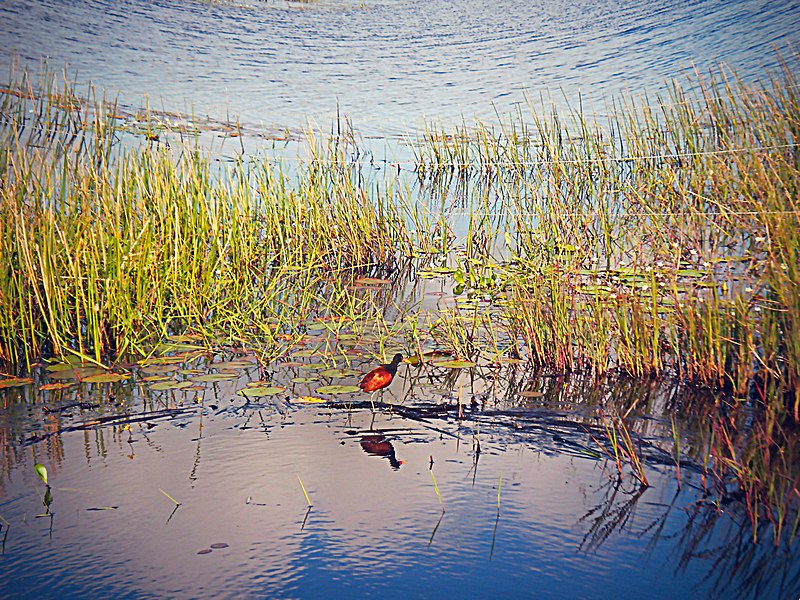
x: 390, y: 64
x: 564, y: 529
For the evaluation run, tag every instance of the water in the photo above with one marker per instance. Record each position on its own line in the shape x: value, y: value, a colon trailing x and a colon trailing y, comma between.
x: 390, y: 64
x: 565, y: 524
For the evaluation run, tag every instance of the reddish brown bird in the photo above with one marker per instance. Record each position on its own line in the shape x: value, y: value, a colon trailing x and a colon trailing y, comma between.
x: 378, y: 445
x: 380, y: 378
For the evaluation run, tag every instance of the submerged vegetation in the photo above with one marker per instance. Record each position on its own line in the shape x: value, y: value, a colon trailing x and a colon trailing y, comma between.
x: 658, y: 240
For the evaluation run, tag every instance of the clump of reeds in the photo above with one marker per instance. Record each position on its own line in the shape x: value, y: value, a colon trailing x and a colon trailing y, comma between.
x: 659, y: 239
x: 107, y: 250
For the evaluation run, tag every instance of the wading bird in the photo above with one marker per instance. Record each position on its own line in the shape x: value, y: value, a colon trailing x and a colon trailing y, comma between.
x: 380, y: 378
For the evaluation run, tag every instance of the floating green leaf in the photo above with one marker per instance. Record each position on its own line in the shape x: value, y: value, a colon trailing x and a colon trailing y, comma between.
x: 41, y: 471
x: 691, y: 273
x: 211, y: 377
x: 338, y: 373
x: 163, y: 360
x: 106, y: 378
x: 338, y: 389
x: 51, y: 387
x: 435, y: 272
x: 453, y: 364
x: 158, y: 369
x: 315, y: 365
x: 171, y: 385
x: 258, y: 391
x: 232, y: 364
x: 15, y: 382
x: 62, y: 366
x: 310, y: 400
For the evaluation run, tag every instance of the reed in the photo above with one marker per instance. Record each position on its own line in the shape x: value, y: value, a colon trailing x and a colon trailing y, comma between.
x: 106, y: 252
x: 659, y: 239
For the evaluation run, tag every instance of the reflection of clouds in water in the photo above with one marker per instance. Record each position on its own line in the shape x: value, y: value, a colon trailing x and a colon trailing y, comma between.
x: 387, y: 64
x: 372, y: 523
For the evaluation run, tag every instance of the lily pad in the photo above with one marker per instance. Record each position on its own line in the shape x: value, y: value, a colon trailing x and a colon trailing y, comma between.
x: 453, y: 364
x: 289, y: 364
x: 338, y: 373
x: 338, y: 389
x: 210, y: 377
x: 315, y: 365
x: 309, y: 400
x: 596, y: 290
x: 158, y: 369
x: 15, y: 382
x: 305, y: 379
x: 258, y: 391
x: 435, y: 272
x: 232, y: 364
x: 61, y: 366
x: 163, y: 360
x: 691, y: 273
x: 171, y: 385
x: 51, y: 387
x: 304, y: 353
x: 173, y: 347
x: 106, y: 378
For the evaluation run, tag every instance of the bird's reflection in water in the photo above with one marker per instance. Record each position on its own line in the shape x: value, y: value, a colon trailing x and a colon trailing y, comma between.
x: 377, y: 445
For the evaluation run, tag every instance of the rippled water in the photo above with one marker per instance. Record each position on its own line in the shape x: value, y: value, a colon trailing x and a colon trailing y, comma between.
x: 390, y: 63
x: 372, y: 527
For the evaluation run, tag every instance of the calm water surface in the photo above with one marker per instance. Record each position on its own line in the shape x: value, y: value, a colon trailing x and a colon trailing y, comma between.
x: 390, y: 64
x: 565, y: 527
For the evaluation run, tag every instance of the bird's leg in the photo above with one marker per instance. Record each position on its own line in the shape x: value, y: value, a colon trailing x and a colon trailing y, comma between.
x: 371, y: 401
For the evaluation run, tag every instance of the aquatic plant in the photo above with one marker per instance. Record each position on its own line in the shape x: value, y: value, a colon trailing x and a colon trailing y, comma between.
x: 657, y: 240
x: 104, y: 254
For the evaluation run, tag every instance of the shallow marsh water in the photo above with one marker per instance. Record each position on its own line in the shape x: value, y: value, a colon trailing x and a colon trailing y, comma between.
x: 243, y: 527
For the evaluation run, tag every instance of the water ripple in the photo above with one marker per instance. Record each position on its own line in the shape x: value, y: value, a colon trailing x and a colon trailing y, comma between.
x: 390, y: 63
